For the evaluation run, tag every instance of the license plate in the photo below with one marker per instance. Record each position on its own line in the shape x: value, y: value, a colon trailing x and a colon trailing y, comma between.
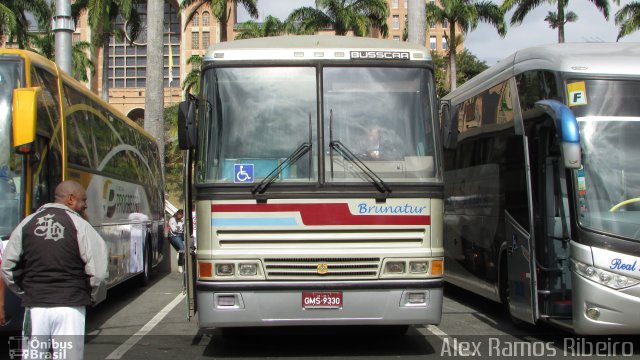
x: 321, y: 299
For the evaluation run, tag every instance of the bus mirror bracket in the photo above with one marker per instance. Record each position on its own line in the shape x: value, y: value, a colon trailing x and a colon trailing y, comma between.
x: 187, y: 124
x: 568, y: 131
x: 24, y: 119
x: 448, y: 128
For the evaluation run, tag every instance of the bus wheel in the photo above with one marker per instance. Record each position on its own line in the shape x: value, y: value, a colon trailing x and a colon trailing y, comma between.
x: 145, y: 276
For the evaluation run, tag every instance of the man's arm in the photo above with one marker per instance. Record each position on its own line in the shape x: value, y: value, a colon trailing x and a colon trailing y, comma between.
x: 11, y: 255
x: 94, y: 253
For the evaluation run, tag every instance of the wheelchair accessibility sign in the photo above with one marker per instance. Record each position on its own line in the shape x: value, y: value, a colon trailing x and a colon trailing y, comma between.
x: 243, y: 173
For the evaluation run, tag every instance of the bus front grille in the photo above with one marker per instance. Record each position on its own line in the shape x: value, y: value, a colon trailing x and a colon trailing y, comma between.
x: 373, y: 238
x: 321, y: 268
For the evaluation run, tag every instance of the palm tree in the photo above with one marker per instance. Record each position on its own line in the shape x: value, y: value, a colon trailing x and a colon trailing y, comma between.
x: 221, y: 11
x: 154, y: 86
x: 15, y: 23
x: 8, y: 20
x: 191, y: 83
x: 342, y: 16
x: 628, y: 18
x: 464, y: 14
x: 555, y: 19
x: 271, y: 26
x: 101, y: 19
x: 80, y: 62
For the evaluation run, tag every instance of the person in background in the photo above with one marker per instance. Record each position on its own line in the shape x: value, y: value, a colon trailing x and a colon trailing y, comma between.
x: 57, y: 263
x: 176, y: 235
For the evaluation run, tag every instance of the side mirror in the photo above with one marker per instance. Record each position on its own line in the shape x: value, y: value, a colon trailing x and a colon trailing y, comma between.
x: 448, y: 126
x: 187, y: 129
x: 567, y: 129
x: 25, y: 105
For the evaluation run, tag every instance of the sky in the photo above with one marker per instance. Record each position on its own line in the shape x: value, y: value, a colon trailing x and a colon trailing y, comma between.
x: 485, y: 43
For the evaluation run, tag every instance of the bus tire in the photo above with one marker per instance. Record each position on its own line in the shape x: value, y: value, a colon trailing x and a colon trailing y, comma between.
x: 145, y: 276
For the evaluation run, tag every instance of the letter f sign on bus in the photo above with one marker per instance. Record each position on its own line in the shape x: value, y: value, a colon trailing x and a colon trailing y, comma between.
x: 577, y: 93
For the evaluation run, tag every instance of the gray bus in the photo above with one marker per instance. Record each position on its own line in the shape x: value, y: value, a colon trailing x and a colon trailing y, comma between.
x: 542, y: 186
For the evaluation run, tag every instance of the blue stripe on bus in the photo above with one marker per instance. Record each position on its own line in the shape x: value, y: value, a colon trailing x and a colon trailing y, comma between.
x: 253, y: 222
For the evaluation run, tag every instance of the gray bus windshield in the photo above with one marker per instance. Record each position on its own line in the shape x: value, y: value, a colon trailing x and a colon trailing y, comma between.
x: 608, y: 185
x: 251, y: 118
x: 10, y: 78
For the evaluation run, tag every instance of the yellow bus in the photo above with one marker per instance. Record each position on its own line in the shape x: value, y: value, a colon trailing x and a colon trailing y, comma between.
x: 52, y: 128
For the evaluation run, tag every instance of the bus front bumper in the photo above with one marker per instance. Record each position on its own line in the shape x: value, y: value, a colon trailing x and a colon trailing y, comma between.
x: 281, y: 303
x: 617, y: 309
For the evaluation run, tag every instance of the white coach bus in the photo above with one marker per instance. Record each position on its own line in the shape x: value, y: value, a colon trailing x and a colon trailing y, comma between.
x: 542, y: 186
x: 317, y: 185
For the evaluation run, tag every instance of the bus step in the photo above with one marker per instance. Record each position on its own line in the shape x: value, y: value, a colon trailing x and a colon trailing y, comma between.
x: 562, y: 307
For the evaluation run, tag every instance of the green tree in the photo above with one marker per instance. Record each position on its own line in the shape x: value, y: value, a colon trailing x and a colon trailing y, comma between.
x: 556, y: 19
x: 191, y: 82
x: 44, y: 44
x: 14, y: 22
x: 81, y: 62
x: 271, y: 26
x: 101, y: 19
x: 628, y: 18
x: 440, y: 69
x: 469, y: 66
x: 173, y: 158
x: 342, y: 16
x: 465, y: 14
x: 221, y: 11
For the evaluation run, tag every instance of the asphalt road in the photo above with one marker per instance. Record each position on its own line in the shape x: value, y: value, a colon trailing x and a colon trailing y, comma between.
x: 150, y: 323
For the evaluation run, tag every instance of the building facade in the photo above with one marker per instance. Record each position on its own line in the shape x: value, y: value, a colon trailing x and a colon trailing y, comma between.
x: 126, y: 66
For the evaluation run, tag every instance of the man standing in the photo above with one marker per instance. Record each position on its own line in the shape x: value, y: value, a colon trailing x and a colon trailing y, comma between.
x: 57, y: 263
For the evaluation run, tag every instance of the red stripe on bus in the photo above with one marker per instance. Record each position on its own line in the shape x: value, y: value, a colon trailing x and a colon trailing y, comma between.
x: 326, y: 214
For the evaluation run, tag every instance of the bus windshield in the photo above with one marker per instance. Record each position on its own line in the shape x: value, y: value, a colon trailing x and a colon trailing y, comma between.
x: 253, y: 118
x: 609, y: 182
x: 10, y: 78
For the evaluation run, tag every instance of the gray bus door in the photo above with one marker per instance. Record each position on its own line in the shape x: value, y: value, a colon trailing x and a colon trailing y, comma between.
x: 522, y: 288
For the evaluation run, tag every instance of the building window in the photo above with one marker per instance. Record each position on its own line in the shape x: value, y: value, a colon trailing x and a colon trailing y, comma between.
x: 396, y: 37
x: 432, y: 42
x: 75, y: 38
x: 445, y: 45
x: 445, y: 24
x: 127, y: 61
x: 205, y: 39
x: 394, y: 4
x: 396, y: 21
x: 195, y: 40
x: 205, y: 18
x: 432, y: 25
x: 405, y: 3
x: 195, y: 20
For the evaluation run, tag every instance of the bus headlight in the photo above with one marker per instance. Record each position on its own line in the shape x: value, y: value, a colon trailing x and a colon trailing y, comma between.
x: 230, y: 270
x: 600, y: 276
x: 224, y: 269
x: 394, y: 267
x: 247, y: 269
x: 419, y: 267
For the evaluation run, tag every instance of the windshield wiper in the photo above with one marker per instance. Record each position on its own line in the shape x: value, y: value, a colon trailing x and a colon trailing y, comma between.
x: 273, y: 175
x: 350, y: 156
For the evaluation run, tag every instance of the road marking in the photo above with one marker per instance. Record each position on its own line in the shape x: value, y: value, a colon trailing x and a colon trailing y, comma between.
x: 444, y: 336
x: 127, y: 345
